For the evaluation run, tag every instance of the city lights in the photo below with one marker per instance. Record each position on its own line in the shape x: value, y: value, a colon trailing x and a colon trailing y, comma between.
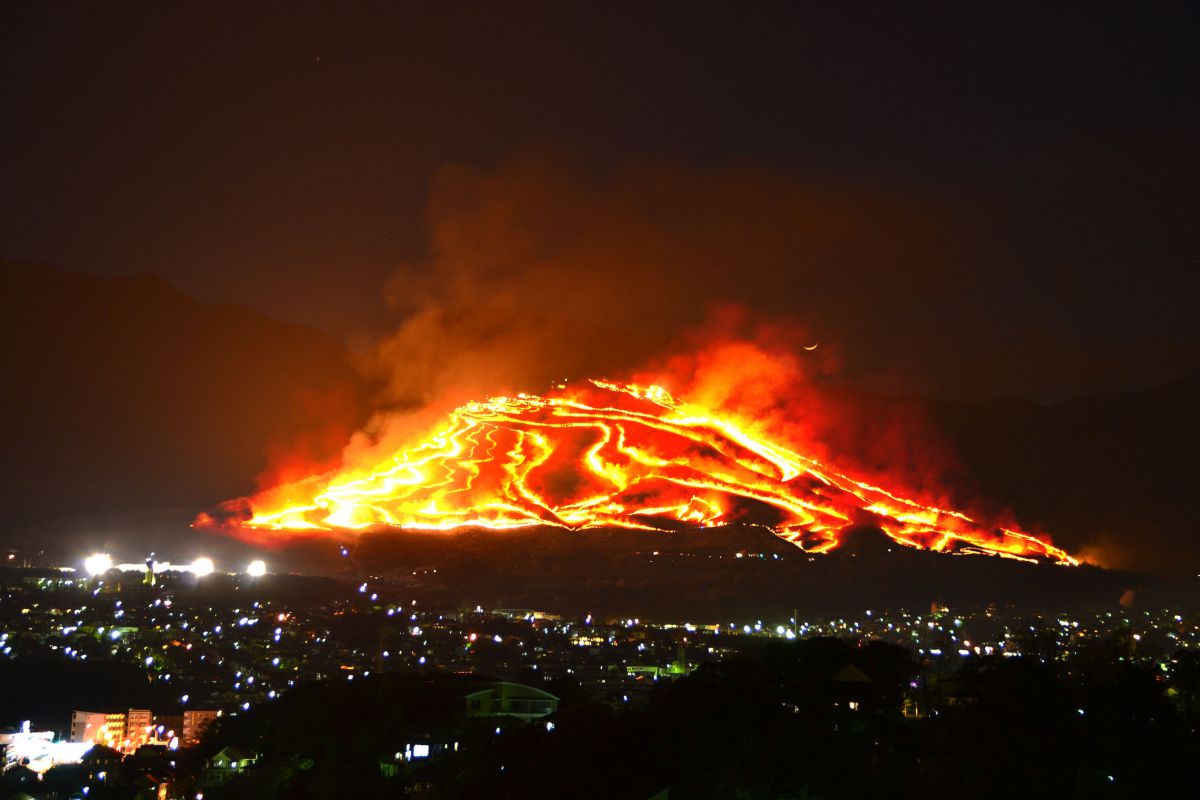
x: 269, y: 646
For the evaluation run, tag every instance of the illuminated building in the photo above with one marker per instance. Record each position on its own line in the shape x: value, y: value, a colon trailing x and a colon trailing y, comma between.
x: 195, y: 723
x: 673, y: 669
x: 114, y: 730
x: 9, y: 736
x: 226, y: 764
x: 89, y: 726
x: 37, y: 750
x: 503, y: 699
x: 427, y: 748
x: 424, y: 747
x: 122, y: 731
x: 139, y: 725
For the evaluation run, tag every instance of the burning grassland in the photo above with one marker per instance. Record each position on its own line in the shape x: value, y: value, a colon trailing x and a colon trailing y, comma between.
x: 605, y: 454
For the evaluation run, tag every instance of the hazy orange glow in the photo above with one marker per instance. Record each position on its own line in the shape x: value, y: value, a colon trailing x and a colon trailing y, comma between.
x: 621, y: 455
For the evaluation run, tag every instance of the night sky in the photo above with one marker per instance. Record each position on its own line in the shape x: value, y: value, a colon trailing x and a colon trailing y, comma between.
x: 964, y: 203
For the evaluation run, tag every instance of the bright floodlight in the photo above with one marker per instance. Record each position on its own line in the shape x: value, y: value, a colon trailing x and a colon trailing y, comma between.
x: 257, y: 568
x: 98, y: 564
x: 202, y: 566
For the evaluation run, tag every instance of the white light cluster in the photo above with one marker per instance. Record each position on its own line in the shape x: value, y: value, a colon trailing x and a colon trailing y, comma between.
x: 98, y: 564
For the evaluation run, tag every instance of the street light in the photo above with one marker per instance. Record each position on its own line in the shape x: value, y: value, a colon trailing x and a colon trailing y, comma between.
x: 257, y: 568
x: 98, y: 564
x: 202, y: 566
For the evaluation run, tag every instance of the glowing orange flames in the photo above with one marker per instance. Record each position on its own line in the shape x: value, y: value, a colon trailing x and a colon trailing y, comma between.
x: 618, y: 455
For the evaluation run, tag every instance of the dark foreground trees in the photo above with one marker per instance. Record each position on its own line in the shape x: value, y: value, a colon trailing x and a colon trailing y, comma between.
x: 818, y: 718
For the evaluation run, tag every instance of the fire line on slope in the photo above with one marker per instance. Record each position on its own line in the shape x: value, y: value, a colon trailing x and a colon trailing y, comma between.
x: 618, y: 455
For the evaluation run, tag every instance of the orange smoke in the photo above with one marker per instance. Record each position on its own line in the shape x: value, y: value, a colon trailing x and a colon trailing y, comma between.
x: 625, y: 455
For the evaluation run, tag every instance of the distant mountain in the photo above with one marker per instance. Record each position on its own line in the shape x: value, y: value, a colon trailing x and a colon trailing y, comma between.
x: 1118, y: 474
x: 124, y: 395
x: 709, y: 575
x: 127, y: 400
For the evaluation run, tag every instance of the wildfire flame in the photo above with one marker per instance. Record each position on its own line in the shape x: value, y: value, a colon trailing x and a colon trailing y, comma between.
x: 618, y: 455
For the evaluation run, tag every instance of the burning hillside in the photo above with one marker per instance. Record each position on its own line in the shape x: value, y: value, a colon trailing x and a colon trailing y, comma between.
x: 617, y: 455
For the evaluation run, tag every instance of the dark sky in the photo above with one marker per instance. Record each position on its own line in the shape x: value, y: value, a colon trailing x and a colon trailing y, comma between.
x: 967, y: 203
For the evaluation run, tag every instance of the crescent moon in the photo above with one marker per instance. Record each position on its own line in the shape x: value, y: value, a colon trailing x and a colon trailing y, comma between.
x: 812, y: 347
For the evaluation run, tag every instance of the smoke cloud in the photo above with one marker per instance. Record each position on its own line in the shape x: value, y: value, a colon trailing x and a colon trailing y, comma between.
x: 736, y: 289
x: 770, y: 299
x: 536, y: 271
